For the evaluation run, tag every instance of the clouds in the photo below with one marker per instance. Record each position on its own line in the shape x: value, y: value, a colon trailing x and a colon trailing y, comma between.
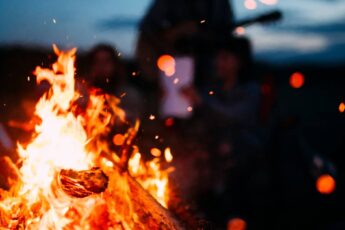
x: 311, y: 29
x: 299, y: 42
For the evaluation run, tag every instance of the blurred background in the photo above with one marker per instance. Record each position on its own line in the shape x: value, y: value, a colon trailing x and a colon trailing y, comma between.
x: 249, y: 94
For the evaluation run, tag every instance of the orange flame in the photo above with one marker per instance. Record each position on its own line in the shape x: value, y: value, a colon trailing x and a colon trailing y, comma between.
x: 64, y: 140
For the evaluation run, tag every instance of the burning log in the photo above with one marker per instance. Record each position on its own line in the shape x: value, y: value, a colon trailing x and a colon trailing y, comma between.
x: 118, y: 186
x: 150, y: 214
x: 82, y: 183
x: 100, y: 198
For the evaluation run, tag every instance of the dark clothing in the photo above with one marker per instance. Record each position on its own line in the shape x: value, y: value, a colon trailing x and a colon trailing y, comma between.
x: 234, y: 145
x: 237, y: 107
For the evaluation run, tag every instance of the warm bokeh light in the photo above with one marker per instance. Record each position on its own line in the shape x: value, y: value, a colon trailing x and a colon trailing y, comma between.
x: 167, y: 154
x: 118, y: 139
x: 269, y: 2
x: 240, y: 30
x: 342, y: 107
x: 250, y: 4
x: 169, y: 122
x: 152, y: 117
x: 325, y: 184
x: 296, y: 80
x: 166, y: 63
x: 236, y: 224
x: 155, y: 152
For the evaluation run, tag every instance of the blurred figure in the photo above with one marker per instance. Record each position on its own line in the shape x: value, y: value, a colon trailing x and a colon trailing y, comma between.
x: 107, y: 72
x: 233, y: 100
x: 230, y: 109
x: 167, y: 22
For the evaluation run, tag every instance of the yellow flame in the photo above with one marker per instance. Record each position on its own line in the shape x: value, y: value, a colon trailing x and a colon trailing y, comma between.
x: 64, y: 140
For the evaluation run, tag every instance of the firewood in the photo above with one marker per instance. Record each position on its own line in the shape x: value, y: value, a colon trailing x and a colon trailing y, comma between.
x: 123, y: 195
x: 149, y: 212
x: 82, y: 183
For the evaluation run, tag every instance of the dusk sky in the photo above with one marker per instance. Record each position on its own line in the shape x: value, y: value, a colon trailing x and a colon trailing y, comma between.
x: 311, y: 30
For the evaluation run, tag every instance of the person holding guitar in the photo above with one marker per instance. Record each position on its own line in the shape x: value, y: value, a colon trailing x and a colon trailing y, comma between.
x: 201, y: 23
x: 167, y: 22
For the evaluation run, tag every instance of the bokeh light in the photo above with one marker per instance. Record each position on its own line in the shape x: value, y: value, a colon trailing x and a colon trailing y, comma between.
x: 236, y: 224
x: 240, y: 31
x: 250, y: 4
x: 118, y: 139
x: 166, y: 63
x: 296, y: 80
x: 155, y: 152
x: 325, y: 184
x: 169, y: 122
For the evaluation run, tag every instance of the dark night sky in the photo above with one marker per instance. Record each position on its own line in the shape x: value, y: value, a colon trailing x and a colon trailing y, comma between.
x: 312, y: 30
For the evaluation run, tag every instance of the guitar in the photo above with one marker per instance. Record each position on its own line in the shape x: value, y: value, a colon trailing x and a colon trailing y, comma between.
x: 151, y: 45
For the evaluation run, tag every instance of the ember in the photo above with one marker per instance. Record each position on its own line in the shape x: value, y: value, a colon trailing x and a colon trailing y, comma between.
x: 68, y: 177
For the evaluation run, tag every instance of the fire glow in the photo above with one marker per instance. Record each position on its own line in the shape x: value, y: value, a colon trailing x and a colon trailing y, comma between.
x: 65, y: 141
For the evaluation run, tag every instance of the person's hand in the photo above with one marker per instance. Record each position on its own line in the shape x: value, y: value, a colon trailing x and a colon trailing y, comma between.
x: 191, y: 94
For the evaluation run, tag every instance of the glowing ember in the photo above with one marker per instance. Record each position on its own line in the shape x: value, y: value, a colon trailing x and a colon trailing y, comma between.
x: 71, y: 146
x: 325, y: 184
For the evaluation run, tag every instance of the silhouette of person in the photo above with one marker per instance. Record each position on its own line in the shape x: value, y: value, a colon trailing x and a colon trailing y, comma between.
x: 167, y: 21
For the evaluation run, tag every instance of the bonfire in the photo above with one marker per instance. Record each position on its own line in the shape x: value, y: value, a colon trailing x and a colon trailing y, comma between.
x: 68, y: 176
